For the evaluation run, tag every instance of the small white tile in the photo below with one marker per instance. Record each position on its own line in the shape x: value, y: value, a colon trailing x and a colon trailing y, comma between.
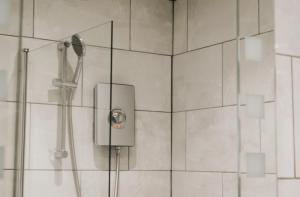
x: 198, y: 79
x: 285, y: 133
x: 210, y: 22
x: 192, y: 184
x: 212, y: 140
x: 290, y: 188
x: 255, y: 106
x: 48, y: 184
x: 152, y: 150
x: 151, y: 76
x: 179, y: 141
x: 154, y: 19
x: 180, y: 26
x: 253, y: 49
x: 256, y: 164
x: 267, y: 15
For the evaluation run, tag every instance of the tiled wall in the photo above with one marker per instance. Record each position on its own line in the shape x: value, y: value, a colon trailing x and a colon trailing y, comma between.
x: 288, y: 96
x: 142, y: 57
x: 204, y: 97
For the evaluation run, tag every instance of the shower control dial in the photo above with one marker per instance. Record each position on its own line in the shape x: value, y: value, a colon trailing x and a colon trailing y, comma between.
x: 118, y: 118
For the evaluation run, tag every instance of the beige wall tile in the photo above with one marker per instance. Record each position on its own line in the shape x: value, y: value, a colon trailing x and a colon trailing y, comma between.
x: 210, y: 22
x: 180, y: 26
x: 198, y: 79
x: 151, y: 26
x: 285, y: 133
x: 179, y: 141
x: 191, y: 184
x: 290, y: 188
x: 296, y: 94
x: 287, y: 26
x: 151, y: 76
x: 212, y: 140
x: 152, y: 150
x: 55, y: 19
x: 267, y: 15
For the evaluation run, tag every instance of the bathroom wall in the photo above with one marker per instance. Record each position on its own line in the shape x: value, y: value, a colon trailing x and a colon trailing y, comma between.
x: 288, y: 74
x: 204, y: 154
x: 139, y: 60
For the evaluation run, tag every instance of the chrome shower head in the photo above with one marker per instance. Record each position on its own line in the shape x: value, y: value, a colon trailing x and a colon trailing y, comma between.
x: 78, y: 45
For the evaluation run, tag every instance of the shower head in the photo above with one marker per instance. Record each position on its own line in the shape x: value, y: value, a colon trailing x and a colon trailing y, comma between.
x: 78, y: 45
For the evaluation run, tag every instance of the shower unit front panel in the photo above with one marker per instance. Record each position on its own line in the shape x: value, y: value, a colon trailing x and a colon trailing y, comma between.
x: 122, y: 112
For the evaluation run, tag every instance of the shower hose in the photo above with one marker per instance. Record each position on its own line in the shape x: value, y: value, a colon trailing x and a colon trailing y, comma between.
x: 72, y: 146
x: 118, y: 150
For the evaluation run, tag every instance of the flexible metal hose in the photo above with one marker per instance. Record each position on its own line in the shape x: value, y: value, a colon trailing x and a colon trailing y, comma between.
x: 72, y: 146
x: 118, y: 150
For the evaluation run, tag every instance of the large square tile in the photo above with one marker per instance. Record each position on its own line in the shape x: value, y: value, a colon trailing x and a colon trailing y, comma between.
x: 151, y: 76
x: 7, y: 183
x: 180, y: 26
x: 210, y: 22
x: 154, y: 19
x: 41, y: 74
x: 8, y: 121
x: 290, y: 188
x: 192, y: 184
x: 267, y: 15
x: 287, y: 27
x: 10, y: 18
x: 8, y: 67
x: 179, y: 141
x: 96, y: 69
x: 152, y: 150
x: 55, y: 19
x: 144, y: 183
x: 48, y: 184
x: 285, y: 130
x: 212, y: 140
x: 197, y: 78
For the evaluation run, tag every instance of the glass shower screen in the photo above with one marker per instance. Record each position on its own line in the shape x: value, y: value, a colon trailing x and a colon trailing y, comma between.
x: 58, y: 149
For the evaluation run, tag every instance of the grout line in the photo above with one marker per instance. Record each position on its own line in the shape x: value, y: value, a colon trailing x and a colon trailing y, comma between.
x: 223, y: 42
x: 130, y: 25
x: 287, y: 55
x: 258, y: 15
x: 222, y: 185
x: 187, y: 25
x: 222, y: 77
x: 185, y: 144
x: 293, y: 113
x: 33, y: 19
x: 217, y: 107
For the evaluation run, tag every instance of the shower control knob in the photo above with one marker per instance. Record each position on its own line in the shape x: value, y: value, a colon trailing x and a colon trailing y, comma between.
x: 118, y: 118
